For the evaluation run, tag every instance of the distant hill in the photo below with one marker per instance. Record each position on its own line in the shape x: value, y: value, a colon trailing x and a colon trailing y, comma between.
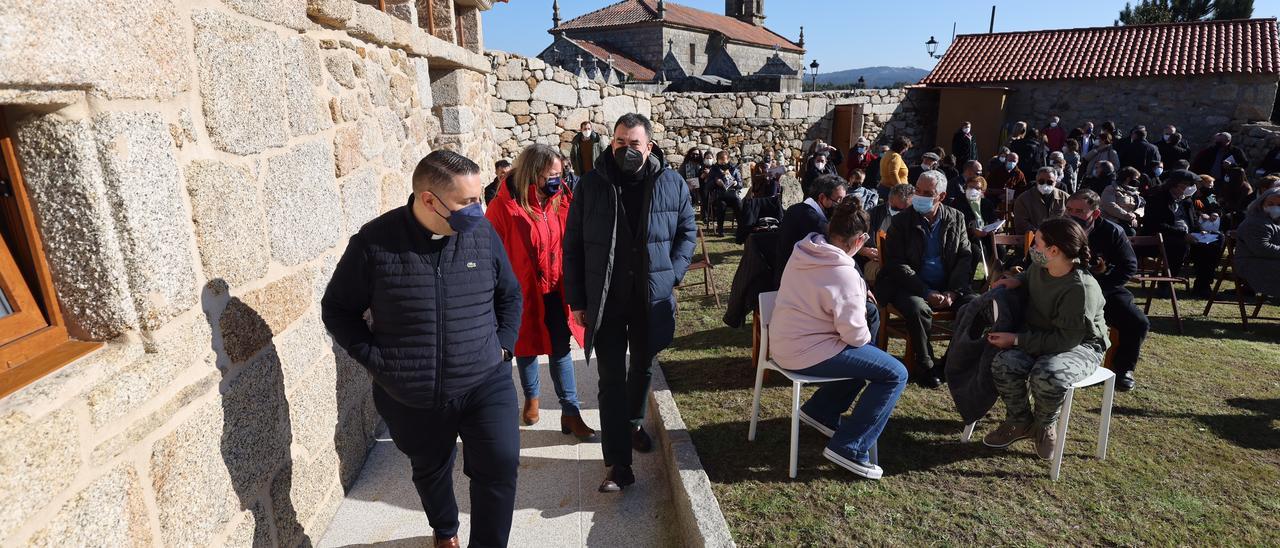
x: 875, y: 76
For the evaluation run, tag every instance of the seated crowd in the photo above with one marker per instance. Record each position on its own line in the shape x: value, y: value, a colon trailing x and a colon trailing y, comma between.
x: 918, y: 241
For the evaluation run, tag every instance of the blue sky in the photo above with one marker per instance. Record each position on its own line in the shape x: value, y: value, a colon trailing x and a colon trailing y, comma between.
x: 842, y: 34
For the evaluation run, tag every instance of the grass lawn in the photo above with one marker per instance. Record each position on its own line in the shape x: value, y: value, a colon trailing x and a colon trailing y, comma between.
x: 1194, y: 456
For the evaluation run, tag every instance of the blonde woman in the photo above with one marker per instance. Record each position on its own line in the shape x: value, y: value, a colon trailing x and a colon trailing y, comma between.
x: 529, y: 214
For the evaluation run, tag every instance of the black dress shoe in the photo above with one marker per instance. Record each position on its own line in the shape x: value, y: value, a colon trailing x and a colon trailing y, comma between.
x: 1126, y: 382
x: 640, y: 440
x: 617, y: 478
x: 928, y: 380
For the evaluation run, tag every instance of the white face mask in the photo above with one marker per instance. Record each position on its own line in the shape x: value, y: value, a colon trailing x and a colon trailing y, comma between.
x: 820, y: 165
x: 586, y: 133
x: 1053, y: 124
x: 966, y: 130
x: 973, y: 194
x: 1167, y: 136
x: 1191, y: 191
x: 1045, y: 189
x: 707, y: 161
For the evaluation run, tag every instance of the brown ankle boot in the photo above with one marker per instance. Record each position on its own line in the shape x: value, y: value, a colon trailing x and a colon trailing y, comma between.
x: 530, y: 414
x: 572, y: 424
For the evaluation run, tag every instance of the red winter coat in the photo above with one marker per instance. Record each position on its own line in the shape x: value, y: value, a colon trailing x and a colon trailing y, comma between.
x: 534, y: 249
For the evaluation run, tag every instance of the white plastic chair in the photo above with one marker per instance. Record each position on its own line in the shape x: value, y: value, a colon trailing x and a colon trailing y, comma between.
x: 797, y: 381
x: 1100, y: 376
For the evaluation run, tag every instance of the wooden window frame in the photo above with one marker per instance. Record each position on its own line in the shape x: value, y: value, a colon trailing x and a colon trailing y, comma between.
x: 457, y: 28
x: 33, y: 340
x: 693, y: 55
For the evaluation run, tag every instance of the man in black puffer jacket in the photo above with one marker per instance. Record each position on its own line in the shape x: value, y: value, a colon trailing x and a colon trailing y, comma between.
x: 627, y: 244
x: 445, y: 311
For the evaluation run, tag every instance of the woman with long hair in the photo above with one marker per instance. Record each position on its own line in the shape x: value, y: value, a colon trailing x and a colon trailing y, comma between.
x: 1063, y: 337
x: 529, y: 214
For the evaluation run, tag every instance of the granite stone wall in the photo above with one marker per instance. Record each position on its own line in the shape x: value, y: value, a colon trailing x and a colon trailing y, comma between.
x: 196, y: 170
x: 533, y: 102
x: 1198, y: 106
x: 746, y: 123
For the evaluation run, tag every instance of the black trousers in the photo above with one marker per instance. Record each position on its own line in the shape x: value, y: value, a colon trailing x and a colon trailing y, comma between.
x: 918, y: 317
x: 1131, y: 328
x: 726, y: 201
x: 624, y: 390
x: 1204, y: 257
x: 486, y: 420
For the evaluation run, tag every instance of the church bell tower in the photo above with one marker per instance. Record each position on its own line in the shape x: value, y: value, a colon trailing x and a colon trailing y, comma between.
x: 747, y: 11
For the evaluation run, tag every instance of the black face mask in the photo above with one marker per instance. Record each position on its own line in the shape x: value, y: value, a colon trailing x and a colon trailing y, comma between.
x: 629, y: 159
x: 1086, y: 225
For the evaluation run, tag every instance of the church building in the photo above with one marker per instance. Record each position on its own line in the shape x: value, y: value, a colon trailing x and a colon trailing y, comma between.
x: 664, y: 46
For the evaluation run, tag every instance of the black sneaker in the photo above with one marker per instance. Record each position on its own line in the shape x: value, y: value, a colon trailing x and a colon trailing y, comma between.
x: 640, y: 440
x: 616, y: 479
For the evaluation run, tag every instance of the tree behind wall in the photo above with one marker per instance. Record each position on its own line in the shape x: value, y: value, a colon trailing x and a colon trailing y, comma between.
x: 1179, y: 11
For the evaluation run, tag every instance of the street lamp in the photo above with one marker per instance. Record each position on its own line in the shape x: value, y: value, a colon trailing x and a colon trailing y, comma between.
x: 814, y: 68
x: 932, y: 47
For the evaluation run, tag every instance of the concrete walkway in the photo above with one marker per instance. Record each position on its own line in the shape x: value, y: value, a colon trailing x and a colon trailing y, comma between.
x: 556, y: 501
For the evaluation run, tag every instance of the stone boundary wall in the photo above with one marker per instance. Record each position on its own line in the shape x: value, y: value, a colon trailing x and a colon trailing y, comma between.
x: 746, y: 123
x: 196, y: 169
x: 533, y: 102
x: 1256, y: 140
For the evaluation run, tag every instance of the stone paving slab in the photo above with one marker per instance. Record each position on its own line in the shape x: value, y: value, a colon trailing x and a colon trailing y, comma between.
x: 556, y: 499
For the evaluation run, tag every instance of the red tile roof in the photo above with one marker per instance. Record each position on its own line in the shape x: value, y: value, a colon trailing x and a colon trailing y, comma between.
x: 1246, y: 46
x: 621, y: 62
x: 632, y: 12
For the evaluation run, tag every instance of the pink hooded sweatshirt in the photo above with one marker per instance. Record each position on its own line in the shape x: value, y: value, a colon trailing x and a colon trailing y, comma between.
x: 821, y: 306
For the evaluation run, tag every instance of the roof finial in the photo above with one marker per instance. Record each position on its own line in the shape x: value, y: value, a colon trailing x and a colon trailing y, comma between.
x: 555, y: 13
x: 662, y: 9
x: 801, y: 43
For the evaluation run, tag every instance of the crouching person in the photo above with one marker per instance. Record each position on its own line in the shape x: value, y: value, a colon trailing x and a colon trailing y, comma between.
x: 1062, y: 342
x: 819, y: 328
x: 445, y: 310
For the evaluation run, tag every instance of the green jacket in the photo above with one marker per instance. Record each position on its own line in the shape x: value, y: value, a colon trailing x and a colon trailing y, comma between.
x: 903, y: 254
x: 1065, y: 312
x: 599, y: 147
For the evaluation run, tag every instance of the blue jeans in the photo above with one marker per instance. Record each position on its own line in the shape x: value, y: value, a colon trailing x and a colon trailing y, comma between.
x: 561, y: 377
x: 883, y: 377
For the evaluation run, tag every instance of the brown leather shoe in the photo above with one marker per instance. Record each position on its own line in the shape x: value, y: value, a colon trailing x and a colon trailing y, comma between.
x: 616, y: 479
x: 572, y: 424
x: 451, y: 542
x: 530, y: 414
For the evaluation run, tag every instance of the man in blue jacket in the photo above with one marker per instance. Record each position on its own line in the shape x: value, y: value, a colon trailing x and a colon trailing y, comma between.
x: 627, y: 244
x: 444, y: 309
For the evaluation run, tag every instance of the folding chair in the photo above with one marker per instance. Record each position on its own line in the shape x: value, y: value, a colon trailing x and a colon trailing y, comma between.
x: 893, y: 324
x: 1154, y: 270
x: 797, y: 382
x: 1000, y: 242
x: 708, y: 282
x: 1102, y: 376
x: 1226, y: 271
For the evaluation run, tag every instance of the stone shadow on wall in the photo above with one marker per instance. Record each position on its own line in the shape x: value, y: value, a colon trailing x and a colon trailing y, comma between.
x: 257, y: 431
x: 354, y: 435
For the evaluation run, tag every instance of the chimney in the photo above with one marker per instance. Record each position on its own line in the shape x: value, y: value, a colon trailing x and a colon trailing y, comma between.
x: 555, y: 13
x: 662, y: 9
